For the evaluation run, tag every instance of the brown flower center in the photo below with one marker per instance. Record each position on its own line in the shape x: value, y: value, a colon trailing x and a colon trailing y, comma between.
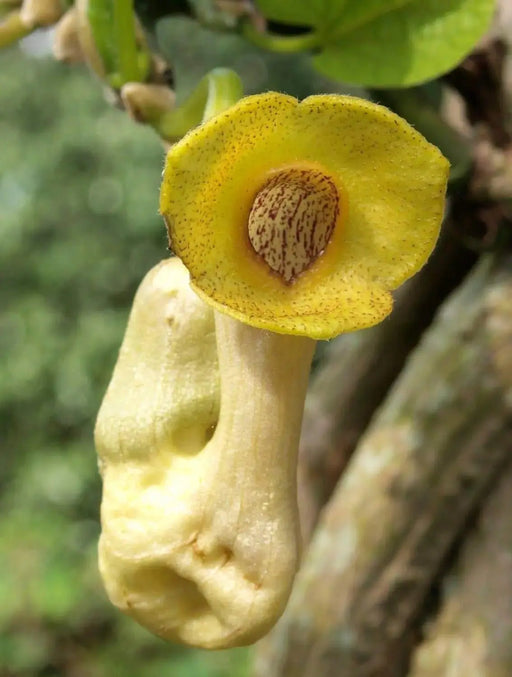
x: 292, y: 220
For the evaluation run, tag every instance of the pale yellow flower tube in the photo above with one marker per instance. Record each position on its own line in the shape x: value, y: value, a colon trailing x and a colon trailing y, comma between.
x: 200, y: 539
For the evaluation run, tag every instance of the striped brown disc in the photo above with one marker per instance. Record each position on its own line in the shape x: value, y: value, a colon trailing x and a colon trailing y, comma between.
x: 292, y: 220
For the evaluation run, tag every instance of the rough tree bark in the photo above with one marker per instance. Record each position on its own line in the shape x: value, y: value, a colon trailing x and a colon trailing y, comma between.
x: 436, y: 446
x: 473, y: 633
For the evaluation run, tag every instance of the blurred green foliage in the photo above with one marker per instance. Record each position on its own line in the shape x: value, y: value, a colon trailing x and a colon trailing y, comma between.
x: 79, y: 228
x: 193, y: 50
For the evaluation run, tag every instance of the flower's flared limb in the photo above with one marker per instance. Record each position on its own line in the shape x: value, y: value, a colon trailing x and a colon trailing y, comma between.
x: 392, y: 179
x: 200, y: 538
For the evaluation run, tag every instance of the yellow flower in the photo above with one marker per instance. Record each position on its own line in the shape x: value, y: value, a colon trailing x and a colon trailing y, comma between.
x: 301, y: 217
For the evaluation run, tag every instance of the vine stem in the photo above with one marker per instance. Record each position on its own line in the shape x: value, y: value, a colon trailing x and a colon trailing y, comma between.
x: 126, y: 46
x: 288, y: 44
x: 217, y: 91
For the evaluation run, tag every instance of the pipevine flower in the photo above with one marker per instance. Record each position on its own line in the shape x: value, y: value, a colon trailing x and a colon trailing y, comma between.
x: 294, y: 217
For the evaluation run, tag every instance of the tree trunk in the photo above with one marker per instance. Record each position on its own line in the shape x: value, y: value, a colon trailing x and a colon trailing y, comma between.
x: 473, y: 633
x: 430, y: 456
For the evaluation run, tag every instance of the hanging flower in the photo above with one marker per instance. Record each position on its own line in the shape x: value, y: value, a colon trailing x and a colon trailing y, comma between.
x: 294, y: 217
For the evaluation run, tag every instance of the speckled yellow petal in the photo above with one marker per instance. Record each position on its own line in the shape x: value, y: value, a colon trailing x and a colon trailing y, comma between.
x: 390, y: 182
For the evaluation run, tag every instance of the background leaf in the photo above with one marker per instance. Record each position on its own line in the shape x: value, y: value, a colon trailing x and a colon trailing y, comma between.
x: 387, y: 43
x: 327, y: 16
x: 409, y: 45
x: 355, y: 14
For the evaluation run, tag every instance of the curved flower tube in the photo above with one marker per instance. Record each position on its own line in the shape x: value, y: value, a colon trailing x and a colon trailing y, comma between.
x: 295, y: 221
x: 199, y: 539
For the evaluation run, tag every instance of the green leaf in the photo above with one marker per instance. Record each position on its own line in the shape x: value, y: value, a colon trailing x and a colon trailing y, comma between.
x: 355, y: 14
x: 328, y: 17
x: 387, y: 43
x: 408, y: 45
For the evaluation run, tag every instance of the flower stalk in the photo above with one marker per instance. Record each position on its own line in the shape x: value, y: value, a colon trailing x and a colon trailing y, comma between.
x: 282, y: 44
x: 128, y: 62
